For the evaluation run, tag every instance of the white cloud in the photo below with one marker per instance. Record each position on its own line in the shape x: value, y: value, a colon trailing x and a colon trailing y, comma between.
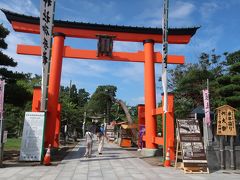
x: 180, y: 14
x: 84, y: 68
x: 130, y: 72
x: 127, y: 46
x: 181, y: 10
x: 23, y: 7
x: 26, y: 63
x: 137, y: 100
x: 30, y: 64
x: 90, y: 11
x: 208, y: 8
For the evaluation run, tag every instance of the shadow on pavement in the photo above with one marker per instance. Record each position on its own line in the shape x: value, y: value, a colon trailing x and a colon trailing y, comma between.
x: 105, y: 158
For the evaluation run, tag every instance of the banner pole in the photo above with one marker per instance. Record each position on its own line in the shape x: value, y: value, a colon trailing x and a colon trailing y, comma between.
x: 164, y: 72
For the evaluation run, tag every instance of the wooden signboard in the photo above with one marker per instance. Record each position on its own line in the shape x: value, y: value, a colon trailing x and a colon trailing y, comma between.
x: 193, y: 154
x: 226, y: 122
x: 110, y: 132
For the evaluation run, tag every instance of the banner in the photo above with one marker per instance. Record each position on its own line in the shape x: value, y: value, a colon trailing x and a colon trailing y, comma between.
x: 206, y: 106
x: 164, y: 85
x: 46, y: 24
x: 165, y: 53
x: 2, y: 84
x: 193, y: 152
x: 32, y: 137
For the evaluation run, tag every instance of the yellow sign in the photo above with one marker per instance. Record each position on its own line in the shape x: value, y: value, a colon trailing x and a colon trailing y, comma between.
x: 226, y: 122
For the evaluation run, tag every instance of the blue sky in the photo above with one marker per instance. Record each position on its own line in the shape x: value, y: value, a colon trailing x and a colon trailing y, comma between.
x: 220, y: 29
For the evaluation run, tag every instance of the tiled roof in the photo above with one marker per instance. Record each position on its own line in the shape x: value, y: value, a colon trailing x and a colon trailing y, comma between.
x: 12, y: 16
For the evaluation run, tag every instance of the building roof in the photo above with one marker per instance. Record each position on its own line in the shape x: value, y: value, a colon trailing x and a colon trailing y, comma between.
x: 225, y: 107
x: 12, y: 16
x: 199, y: 110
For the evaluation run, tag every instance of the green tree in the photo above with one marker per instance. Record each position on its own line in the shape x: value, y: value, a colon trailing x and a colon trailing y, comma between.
x: 83, y: 97
x: 6, y: 61
x: 102, y: 99
x: 188, y: 81
x: 73, y: 102
x: 229, y: 84
x: 18, y: 90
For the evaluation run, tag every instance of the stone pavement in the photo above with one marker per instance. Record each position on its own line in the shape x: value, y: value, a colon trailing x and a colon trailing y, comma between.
x: 115, y: 163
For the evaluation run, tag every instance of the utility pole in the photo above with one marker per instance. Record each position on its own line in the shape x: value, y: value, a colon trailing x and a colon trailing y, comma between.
x: 84, y: 121
x: 70, y: 86
x: 2, y: 85
x: 164, y: 70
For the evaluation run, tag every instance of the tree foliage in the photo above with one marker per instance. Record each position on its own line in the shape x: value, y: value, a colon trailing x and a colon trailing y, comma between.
x: 18, y: 90
x: 102, y: 99
x: 73, y: 102
x: 229, y: 83
x: 5, y: 60
x: 188, y: 81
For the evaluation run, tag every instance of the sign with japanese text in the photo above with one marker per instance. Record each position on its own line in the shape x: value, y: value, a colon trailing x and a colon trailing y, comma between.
x: 206, y: 106
x: 46, y: 25
x: 32, y: 137
x: 226, y: 122
x: 193, y: 152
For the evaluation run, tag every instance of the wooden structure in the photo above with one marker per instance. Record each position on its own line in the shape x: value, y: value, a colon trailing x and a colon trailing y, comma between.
x: 126, y: 134
x: 226, y: 122
x: 187, y: 170
x: 191, y: 161
x: 148, y: 36
x: 170, y: 135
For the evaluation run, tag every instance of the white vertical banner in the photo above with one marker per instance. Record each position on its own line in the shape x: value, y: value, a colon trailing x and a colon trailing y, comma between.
x: 2, y: 84
x: 165, y: 54
x: 46, y: 24
x: 206, y: 106
x: 164, y: 85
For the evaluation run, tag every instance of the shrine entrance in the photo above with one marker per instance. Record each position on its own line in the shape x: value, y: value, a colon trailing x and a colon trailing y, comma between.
x: 106, y: 35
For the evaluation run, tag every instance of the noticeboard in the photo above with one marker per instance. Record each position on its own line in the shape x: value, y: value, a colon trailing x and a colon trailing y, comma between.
x: 193, y: 152
x: 226, y: 122
x: 32, y: 138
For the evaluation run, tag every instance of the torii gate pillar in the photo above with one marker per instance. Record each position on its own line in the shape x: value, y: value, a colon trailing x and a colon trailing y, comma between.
x: 51, y: 136
x: 150, y: 96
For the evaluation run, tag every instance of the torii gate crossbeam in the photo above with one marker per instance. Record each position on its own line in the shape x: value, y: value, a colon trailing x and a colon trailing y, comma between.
x: 69, y: 52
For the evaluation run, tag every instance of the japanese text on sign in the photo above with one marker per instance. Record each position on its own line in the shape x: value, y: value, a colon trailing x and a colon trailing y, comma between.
x: 46, y: 24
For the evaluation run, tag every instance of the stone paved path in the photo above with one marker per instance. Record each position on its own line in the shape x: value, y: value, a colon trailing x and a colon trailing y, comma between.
x: 115, y: 163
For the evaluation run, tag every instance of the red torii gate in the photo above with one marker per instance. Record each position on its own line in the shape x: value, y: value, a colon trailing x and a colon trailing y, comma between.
x: 149, y: 36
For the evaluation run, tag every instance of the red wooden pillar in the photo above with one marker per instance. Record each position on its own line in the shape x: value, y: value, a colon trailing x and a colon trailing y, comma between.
x: 170, y: 126
x: 58, y: 124
x: 141, y: 121
x: 150, y: 95
x: 36, y: 99
x: 141, y: 116
x: 53, y: 89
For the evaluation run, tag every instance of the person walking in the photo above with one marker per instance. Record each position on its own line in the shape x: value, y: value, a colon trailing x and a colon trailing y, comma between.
x: 101, y: 139
x: 89, y: 143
